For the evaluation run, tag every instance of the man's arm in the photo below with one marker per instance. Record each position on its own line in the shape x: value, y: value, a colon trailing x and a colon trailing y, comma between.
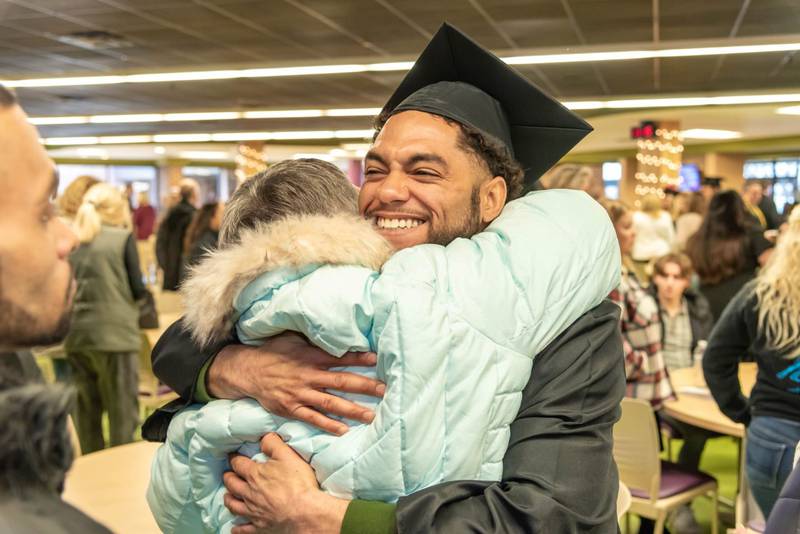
x: 559, y: 474
x: 286, y: 375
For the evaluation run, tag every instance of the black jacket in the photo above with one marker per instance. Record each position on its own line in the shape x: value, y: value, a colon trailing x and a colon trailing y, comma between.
x: 169, y: 243
x: 559, y: 474
x: 736, y: 336
x: 700, y: 317
x: 43, y: 513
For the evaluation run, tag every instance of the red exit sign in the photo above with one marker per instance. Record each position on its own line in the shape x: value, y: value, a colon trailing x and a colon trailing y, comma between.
x: 646, y: 130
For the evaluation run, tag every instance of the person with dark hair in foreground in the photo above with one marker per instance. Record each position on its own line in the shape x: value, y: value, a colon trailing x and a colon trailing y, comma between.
x: 458, y: 108
x: 36, y: 292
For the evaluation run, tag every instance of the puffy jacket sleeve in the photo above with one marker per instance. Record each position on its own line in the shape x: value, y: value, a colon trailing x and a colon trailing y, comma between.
x: 548, y: 258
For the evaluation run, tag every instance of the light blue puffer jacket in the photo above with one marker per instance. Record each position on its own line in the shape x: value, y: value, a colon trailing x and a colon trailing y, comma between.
x: 456, y: 330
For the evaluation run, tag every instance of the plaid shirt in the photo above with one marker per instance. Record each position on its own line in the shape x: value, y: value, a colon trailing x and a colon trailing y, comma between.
x: 646, y: 373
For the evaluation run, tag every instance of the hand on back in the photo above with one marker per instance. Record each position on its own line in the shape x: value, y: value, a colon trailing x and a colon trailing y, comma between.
x: 290, y: 378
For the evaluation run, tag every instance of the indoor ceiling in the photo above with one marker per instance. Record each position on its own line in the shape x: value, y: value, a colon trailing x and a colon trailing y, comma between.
x: 55, y: 38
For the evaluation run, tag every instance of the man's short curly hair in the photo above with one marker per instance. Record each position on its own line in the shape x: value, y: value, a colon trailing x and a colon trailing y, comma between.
x: 490, y: 151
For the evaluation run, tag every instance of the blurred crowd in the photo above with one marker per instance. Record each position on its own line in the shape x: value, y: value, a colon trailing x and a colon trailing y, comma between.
x: 699, y: 289
x: 127, y: 251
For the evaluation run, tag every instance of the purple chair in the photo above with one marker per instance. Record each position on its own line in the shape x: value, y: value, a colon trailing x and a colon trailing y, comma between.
x: 656, y: 486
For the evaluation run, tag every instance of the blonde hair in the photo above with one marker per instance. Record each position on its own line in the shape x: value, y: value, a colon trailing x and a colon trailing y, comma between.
x: 70, y: 200
x: 651, y: 205
x: 571, y: 176
x: 778, y: 291
x: 102, y: 204
x: 616, y: 211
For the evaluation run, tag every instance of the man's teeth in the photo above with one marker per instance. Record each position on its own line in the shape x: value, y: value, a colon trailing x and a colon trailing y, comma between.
x: 397, y: 223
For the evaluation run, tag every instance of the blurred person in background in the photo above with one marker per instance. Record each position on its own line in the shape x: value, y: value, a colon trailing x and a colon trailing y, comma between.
x: 654, y: 233
x: 757, y: 194
x: 68, y: 204
x: 580, y: 177
x: 646, y: 374
x: 172, y: 232
x: 70, y: 200
x: 129, y: 196
x: 645, y: 369
x: 685, y: 326
x: 668, y: 202
x: 726, y: 250
x: 770, y: 210
x: 753, y: 195
x: 688, y: 214
x: 710, y: 186
x: 762, y: 320
x: 144, y: 222
x: 103, y: 343
x: 36, y: 294
x: 203, y: 234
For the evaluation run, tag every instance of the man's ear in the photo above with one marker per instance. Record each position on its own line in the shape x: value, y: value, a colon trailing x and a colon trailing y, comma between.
x: 493, y: 198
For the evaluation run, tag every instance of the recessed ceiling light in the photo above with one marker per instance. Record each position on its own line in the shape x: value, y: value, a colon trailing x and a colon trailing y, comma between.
x: 788, y: 110
x: 209, y: 137
x: 316, y: 70
x: 629, y: 103
x: 705, y: 133
x: 205, y: 116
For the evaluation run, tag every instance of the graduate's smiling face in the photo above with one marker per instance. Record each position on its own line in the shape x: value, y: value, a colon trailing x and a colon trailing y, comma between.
x: 422, y: 186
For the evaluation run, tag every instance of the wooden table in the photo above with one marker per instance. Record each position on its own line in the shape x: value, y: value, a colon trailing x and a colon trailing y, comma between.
x: 700, y: 409
x: 110, y: 486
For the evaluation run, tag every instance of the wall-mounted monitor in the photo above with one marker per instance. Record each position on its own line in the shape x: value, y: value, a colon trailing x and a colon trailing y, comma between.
x: 690, y: 177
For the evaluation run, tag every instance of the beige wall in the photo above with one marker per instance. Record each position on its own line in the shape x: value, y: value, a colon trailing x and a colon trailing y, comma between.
x: 726, y: 166
x: 628, y: 182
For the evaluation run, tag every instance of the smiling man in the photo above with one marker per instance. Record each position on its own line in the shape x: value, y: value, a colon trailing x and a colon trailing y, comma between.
x: 455, y: 142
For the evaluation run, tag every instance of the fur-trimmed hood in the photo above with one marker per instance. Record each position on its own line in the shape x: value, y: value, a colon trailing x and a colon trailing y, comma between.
x: 213, y: 285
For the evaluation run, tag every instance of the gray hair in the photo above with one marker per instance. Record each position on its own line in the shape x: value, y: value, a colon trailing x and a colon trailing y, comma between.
x: 7, y: 97
x: 291, y: 187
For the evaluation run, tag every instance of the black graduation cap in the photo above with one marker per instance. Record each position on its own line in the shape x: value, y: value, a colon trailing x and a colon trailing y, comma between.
x: 456, y: 78
x: 711, y: 181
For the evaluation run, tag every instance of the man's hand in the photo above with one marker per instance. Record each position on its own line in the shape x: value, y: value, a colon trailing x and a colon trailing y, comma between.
x: 289, y: 378
x: 281, y: 495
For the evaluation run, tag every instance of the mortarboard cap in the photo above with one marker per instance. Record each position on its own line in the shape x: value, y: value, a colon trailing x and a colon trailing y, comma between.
x: 456, y: 78
x: 711, y: 181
